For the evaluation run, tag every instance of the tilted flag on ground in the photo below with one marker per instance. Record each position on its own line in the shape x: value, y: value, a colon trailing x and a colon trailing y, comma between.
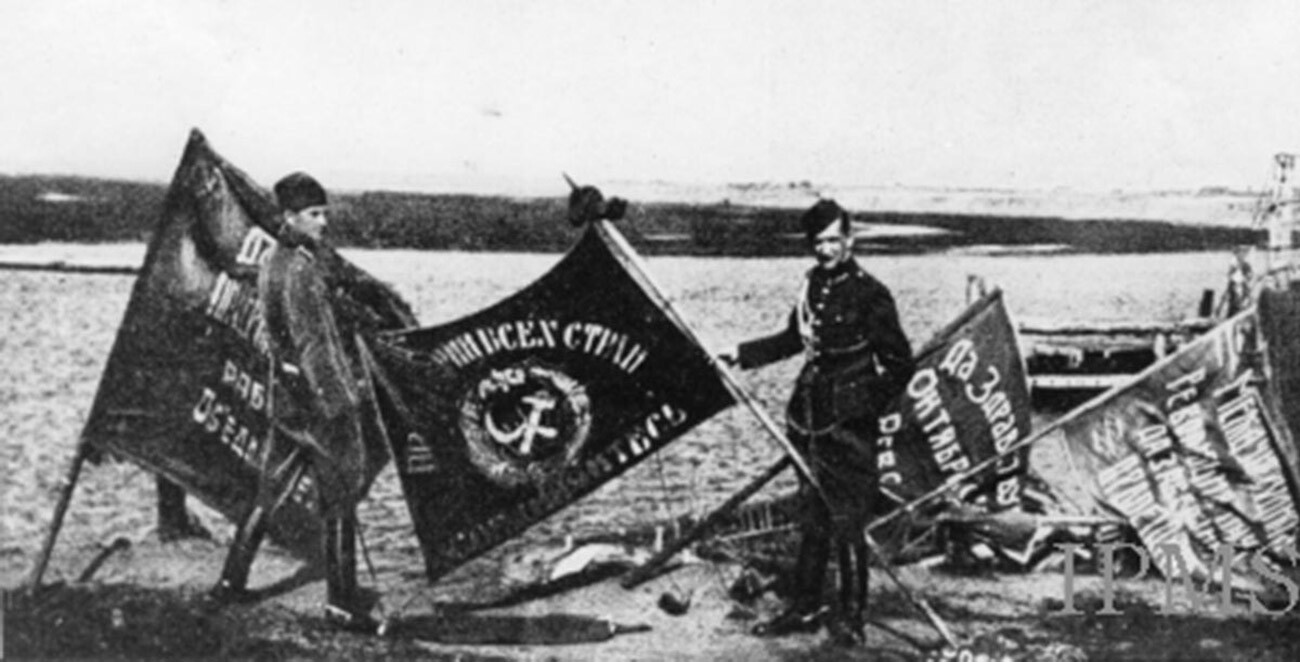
x: 185, y: 392
x: 503, y: 417
x: 1193, y: 455
x: 967, y: 402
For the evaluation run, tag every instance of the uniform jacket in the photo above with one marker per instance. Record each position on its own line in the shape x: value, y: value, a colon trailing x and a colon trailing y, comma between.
x: 857, y: 357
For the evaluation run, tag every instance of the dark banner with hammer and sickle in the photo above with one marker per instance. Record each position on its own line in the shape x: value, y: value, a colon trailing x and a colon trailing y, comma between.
x: 504, y: 417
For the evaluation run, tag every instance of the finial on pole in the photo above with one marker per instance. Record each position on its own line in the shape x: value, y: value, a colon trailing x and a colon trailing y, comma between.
x: 587, y: 205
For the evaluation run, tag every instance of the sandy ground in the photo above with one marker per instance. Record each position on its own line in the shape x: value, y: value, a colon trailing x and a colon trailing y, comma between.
x: 58, y: 330
x: 149, y: 602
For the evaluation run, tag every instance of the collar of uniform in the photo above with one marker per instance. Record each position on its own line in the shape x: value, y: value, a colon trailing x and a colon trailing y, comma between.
x: 291, y: 236
x: 301, y: 243
x: 835, y: 275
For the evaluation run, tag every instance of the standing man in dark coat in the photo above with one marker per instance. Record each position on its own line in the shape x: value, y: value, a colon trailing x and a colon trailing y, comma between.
x: 317, y: 399
x: 857, y: 359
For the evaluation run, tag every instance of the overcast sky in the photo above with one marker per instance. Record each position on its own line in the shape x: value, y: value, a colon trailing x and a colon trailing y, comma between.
x: 501, y: 95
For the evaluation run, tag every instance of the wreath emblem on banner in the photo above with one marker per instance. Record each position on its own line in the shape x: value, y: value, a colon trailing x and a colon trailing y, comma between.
x: 524, y: 421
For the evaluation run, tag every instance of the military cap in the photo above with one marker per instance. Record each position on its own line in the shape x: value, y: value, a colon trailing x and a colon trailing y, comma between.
x: 298, y: 191
x: 820, y: 216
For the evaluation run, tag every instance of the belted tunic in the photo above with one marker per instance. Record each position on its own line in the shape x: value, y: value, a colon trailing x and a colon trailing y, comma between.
x: 857, y: 359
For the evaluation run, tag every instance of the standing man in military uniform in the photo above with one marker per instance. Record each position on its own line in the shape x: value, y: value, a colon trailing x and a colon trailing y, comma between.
x: 857, y: 359
x: 317, y: 398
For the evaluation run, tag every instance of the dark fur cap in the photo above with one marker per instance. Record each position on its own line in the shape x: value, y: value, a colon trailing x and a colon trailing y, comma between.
x: 298, y: 191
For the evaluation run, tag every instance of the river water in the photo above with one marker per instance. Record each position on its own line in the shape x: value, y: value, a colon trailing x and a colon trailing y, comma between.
x: 57, y: 329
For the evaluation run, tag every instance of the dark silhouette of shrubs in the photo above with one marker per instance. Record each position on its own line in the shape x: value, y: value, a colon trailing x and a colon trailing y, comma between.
x: 79, y: 209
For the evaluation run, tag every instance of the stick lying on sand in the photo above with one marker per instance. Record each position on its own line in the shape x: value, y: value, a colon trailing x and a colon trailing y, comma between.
x: 548, y: 629
x: 106, y: 551
x: 64, y: 267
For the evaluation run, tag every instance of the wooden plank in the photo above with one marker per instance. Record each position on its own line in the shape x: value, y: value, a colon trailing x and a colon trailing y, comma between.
x: 1074, y: 328
x: 1065, y: 382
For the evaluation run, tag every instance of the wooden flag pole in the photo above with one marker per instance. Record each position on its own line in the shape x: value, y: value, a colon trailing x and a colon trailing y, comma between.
x: 630, y: 258
x: 917, y: 601
x: 60, y: 510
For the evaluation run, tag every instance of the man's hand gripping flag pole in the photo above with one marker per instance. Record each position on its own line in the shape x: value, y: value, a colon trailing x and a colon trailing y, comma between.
x: 631, y: 260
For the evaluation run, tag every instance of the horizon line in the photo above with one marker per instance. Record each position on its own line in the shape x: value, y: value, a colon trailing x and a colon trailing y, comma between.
x: 527, y: 187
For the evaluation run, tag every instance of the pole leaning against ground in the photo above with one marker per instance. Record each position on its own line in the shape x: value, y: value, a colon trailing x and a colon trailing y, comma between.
x: 67, y: 487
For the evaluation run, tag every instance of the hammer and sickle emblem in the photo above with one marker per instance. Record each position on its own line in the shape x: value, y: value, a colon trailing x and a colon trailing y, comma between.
x: 530, y: 429
x: 524, y: 423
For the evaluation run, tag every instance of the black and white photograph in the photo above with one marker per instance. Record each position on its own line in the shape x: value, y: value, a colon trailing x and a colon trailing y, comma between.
x: 627, y: 330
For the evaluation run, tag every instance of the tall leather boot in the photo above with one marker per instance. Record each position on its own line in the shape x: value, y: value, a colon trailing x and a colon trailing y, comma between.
x: 847, y: 576
x: 810, y: 570
x: 272, y: 491
x: 863, y: 561
x: 344, y: 606
x: 805, y: 611
x: 854, y: 581
x: 340, y: 562
x: 846, y: 624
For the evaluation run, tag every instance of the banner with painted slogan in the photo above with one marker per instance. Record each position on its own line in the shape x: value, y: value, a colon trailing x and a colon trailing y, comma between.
x: 185, y: 391
x: 967, y: 402
x: 1192, y: 455
x: 503, y: 417
x: 1279, y: 321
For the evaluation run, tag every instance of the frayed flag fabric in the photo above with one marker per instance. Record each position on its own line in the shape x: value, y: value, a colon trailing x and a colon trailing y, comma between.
x: 186, y: 392
x: 1193, y: 454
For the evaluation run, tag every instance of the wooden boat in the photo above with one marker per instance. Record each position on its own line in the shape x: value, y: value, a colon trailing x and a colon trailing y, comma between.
x: 1068, y: 362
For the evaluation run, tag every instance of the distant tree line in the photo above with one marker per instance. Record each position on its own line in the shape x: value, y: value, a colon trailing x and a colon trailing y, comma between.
x: 78, y: 209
